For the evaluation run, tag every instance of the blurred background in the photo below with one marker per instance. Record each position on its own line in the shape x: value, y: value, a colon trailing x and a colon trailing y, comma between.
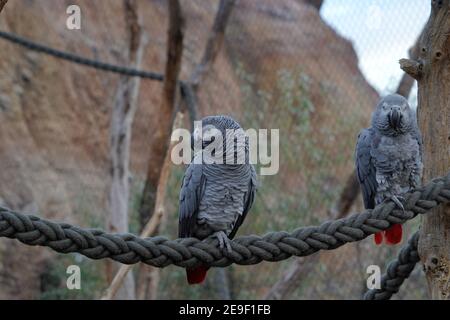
x: 313, y: 69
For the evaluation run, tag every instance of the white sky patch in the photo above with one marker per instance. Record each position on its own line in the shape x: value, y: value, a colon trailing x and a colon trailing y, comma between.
x: 381, y: 31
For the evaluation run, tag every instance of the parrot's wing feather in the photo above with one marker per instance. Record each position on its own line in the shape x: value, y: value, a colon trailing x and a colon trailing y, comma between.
x: 192, y: 190
x: 365, y: 168
x: 249, y: 198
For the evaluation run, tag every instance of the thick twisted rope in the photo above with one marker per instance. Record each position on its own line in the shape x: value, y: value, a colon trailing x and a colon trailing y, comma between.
x: 397, y: 271
x: 246, y: 250
x: 78, y: 59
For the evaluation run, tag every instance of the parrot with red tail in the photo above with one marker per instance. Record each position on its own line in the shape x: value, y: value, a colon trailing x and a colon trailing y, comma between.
x: 389, y: 158
x: 218, y: 187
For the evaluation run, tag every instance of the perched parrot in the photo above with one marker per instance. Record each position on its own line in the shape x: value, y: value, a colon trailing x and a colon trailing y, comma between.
x: 389, y: 158
x: 215, y: 198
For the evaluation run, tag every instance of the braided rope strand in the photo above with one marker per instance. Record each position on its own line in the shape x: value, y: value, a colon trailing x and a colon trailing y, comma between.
x: 190, y: 252
x: 397, y: 271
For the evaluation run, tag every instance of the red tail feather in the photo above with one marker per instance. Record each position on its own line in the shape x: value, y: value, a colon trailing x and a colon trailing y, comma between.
x: 378, y: 238
x: 197, y: 275
x: 394, y: 234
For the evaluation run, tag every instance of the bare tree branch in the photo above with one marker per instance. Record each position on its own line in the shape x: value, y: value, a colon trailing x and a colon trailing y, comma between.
x: 407, y: 82
x: 214, y: 44
x: 148, y: 205
x: 215, y: 41
x: 123, y: 112
x: 172, y: 70
x: 189, y: 98
x: 347, y: 198
x: 315, y: 3
x: 292, y: 277
x: 2, y: 4
x: 148, y: 277
x: 157, y: 215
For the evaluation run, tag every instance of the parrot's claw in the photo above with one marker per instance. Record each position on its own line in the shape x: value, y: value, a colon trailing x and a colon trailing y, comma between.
x: 396, y: 200
x: 224, y: 241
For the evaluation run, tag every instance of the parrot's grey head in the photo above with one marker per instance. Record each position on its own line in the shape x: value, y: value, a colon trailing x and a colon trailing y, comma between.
x: 229, y: 129
x: 393, y: 115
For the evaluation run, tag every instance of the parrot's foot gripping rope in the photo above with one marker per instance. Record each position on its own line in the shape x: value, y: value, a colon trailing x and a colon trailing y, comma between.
x: 224, y: 241
x: 398, y: 201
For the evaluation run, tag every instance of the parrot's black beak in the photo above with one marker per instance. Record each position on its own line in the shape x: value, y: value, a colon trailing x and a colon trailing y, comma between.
x: 394, y: 118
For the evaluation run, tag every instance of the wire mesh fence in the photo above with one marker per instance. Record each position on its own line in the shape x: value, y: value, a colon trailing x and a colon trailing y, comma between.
x: 315, y: 74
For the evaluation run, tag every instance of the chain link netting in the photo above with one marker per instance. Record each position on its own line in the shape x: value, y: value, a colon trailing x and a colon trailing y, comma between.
x: 314, y: 75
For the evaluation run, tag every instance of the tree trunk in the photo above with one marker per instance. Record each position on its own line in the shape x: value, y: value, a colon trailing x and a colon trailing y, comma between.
x: 166, y: 118
x: 145, y: 278
x: 172, y: 70
x: 124, y: 108
x: 407, y: 82
x: 214, y: 44
x: 215, y: 41
x: 432, y: 71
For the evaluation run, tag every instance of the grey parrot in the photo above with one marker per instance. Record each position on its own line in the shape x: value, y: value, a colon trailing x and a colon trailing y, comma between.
x: 215, y: 198
x: 389, y: 158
